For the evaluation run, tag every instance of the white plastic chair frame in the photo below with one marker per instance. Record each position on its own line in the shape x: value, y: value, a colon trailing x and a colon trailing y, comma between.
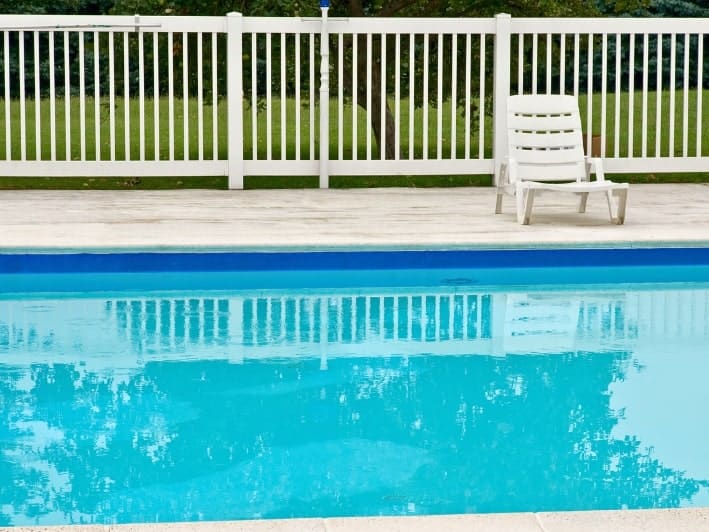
x: 545, y: 146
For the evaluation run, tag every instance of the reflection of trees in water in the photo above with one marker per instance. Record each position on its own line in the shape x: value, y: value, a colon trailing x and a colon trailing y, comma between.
x: 497, y: 434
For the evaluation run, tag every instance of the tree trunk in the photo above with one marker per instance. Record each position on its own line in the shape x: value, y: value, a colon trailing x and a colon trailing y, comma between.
x: 385, y: 139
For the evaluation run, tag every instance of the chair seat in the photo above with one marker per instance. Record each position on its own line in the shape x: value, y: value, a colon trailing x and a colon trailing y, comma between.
x: 575, y: 186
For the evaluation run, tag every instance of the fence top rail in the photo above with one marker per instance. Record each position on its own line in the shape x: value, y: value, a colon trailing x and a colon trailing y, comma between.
x: 373, y: 25
x: 123, y: 23
x: 610, y: 25
x: 112, y: 23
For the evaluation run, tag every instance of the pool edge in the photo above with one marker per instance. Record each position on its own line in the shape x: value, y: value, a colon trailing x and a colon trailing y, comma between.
x: 675, y: 519
x: 276, y: 248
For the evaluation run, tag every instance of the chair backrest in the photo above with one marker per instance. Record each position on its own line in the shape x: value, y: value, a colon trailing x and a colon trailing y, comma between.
x: 544, y: 137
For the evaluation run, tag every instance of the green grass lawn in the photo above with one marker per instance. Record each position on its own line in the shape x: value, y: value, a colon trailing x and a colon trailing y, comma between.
x: 257, y: 144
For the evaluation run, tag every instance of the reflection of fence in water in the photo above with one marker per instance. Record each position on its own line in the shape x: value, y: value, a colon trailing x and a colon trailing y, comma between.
x: 673, y: 313
x: 179, y: 324
x: 172, y: 324
x: 355, y: 319
x: 607, y: 318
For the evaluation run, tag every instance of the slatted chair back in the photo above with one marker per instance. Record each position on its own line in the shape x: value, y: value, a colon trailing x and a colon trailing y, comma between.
x: 544, y: 138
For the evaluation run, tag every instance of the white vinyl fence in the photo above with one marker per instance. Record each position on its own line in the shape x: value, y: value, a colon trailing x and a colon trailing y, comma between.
x: 139, y: 96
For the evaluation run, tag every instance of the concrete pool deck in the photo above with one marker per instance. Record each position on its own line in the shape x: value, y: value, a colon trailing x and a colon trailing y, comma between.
x: 366, y: 218
x: 390, y: 218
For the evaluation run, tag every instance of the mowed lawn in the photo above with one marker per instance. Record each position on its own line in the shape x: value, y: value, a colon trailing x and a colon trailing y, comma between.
x: 295, y: 130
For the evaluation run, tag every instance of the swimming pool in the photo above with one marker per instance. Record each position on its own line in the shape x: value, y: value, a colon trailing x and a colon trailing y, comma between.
x: 142, y: 388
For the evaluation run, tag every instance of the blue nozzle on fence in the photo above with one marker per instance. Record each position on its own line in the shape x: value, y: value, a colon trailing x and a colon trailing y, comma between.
x: 324, y: 3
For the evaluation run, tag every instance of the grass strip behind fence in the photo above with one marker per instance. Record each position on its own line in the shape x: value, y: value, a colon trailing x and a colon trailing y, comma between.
x: 255, y: 142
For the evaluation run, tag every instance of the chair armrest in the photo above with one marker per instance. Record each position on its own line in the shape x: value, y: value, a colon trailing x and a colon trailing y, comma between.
x: 597, y: 166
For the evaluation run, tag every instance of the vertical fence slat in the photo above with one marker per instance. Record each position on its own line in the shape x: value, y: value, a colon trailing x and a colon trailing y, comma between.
x: 97, y: 100
x: 340, y: 97
x: 397, y: 94
x: 297, y: 95
x: 126, y: 98
x: 700, y: 73
x: 283, y: 96
x: 631, y: 95
x: 185, y: 97
x: 577, y: 67
x: 618, y: 76
x: 589, y: 93
x: 200, y: 97
x: 67, y: 98
x: 215, y: 99
x: 439, y: 92
x: 658, y: 104
x: 383, y: 91
x: 412, y: 41
x: 141, y: 95
x: 562, y: 63
x: 454, y: 95
x: 269, y: 116
x: 52, y: 103
x: 468, y: 61
x: 548, y: 64
x: 604, y: 91
x: 425, y: 96
x: 82, y: 96
x: 156, y: 97
x: 311, y: 63
x: 673, y: 65
x: 171, y: 95
x: 535, y: 39
x: 254, y: 96
x: 685, y: 99
x: 111, y: 96
x: 8, y: 117
x: 355, y: 59
x: 481, y: 106
x: 367, y: 126
x: 646, y: 61
x: 23, y: 132
x: 37, y: 101
x: 520, y: 64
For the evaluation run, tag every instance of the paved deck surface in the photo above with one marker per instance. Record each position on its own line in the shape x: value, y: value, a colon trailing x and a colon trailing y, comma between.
x: 409, y: 218
x: 397, y: 217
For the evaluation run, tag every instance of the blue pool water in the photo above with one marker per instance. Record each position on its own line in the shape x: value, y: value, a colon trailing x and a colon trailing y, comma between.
x: 134, y: 394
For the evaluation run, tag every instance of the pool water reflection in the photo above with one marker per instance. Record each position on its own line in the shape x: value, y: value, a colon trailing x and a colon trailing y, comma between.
x: 204, y: 406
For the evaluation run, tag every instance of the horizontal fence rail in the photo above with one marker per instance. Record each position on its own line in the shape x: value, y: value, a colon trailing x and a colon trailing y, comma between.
x: 163, y: 96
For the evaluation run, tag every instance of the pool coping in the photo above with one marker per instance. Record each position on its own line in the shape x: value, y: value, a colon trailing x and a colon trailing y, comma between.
x: 617, y: 244
x: 657, y: 520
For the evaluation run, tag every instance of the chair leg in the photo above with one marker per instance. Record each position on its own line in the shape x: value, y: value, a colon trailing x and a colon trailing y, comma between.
x: 609, y: 199
x: 520, y: 196
x: 622, y: 202
x: 528, y: 207
x: 498, y: 205
x: 582, y: 201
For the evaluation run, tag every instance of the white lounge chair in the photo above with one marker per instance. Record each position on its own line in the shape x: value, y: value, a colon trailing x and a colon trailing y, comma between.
x: 546, y: 153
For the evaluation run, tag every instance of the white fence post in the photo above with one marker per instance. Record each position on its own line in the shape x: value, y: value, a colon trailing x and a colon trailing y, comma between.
x: 501, y: 87
x: 324, y: 97
x: 235, y: 104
